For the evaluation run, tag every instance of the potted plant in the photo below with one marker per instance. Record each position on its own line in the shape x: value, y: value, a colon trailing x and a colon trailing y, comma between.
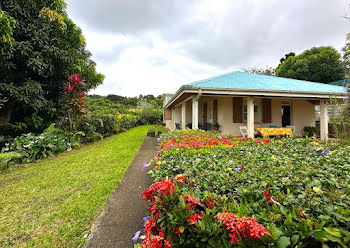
x: 309, y: 131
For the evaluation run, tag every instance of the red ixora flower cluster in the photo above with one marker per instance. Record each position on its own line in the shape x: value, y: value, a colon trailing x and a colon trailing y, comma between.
x: 201, y: 141
x: 154, y: 238
x: 192, y: 202
x: 194, y: 218
x: 245, y: 227
x: 160, y: 188
x: 155, y: 241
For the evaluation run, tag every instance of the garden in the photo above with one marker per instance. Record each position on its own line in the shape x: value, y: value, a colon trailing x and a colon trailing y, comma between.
x: 54, y: 202
x: 224, y: 191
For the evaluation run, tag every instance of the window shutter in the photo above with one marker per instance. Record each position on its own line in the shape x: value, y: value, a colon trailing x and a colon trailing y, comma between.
x: 167, y: 114
x: 237, y: 107
x: 266, y: 110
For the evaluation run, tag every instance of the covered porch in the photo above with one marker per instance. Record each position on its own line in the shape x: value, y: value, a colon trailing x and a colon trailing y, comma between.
x: 229, y: 113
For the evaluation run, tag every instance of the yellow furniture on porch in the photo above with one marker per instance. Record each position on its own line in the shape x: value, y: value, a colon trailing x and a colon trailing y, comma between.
x: 274, y: 131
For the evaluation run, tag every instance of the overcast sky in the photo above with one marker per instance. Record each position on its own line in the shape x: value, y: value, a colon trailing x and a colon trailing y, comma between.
x: 155, y: 46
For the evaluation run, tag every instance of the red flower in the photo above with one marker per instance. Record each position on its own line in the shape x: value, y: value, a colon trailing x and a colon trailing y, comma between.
x: 81, y: 94
x: 160, y: 188
x: 75, y: 78
x: 303, y: 214
x: 249, y: 228
x: 245, y: 228
x: 267, y: 195
x: 210, y: 202
x: 314, y: 225
x: 194, y: 218
x: 192, y: 201
x: 68, y: 88
x: 177, y: 231
x: 180, y: 178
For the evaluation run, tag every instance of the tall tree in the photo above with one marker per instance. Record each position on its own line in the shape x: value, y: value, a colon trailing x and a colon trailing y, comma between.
x: 346, y: 55
x: 318, y: 64
x: 46, y: 47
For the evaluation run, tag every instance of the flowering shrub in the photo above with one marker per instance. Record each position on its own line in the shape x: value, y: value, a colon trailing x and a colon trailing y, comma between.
x: 298, y: 189
x: 178, y: 219
x: 73, y: 97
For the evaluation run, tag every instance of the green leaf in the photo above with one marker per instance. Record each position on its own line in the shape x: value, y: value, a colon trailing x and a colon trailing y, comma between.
x: 333, y: 231
x: 182, y: 229
x: 295, y: 239
x: 283, y: 242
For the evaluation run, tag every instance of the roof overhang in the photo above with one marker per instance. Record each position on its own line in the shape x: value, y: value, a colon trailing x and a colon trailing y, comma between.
x: 186, y: 91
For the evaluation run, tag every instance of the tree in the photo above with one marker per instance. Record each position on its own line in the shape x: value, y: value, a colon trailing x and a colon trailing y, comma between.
x: 318, y: 64
x: 346, y: 55
x: 263, y: 71
x: 47, y: 46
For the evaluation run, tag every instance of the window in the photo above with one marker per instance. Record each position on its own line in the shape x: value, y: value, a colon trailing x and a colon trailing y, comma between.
x: 245, y: 112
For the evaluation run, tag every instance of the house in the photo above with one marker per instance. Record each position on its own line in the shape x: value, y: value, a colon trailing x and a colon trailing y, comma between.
x: 239, y: 99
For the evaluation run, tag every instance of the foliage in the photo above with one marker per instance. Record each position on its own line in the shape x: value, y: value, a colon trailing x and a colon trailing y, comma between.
x: 6, y: 158
x: 150, y: 113
x: 103, y: 106
x: 182, y: 220
x: 54, y: 202
x: 7, y: 24
x: 269, y: 71
x: 32, y: 147
x: 47, y: 47
x: 318, y: 64
x: 75, y: 106
x: 309, y: 131
x: 346, y: 55
x: 300, y: 195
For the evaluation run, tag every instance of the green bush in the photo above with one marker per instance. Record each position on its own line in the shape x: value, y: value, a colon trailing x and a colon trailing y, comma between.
x: 32, y: 147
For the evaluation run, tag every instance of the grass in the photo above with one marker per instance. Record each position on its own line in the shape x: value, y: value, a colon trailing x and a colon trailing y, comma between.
x: 53, y: 203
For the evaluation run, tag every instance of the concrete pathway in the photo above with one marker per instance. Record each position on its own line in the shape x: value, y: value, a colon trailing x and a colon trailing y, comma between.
x: 122, y: 216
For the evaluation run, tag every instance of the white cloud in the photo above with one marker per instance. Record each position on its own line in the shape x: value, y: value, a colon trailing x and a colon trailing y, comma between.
x: 153, y: 47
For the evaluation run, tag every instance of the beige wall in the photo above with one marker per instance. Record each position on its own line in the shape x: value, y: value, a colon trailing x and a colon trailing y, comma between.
x: 302, y: 114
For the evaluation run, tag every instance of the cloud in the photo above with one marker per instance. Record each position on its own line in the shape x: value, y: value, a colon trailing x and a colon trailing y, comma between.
x: 153, y: 46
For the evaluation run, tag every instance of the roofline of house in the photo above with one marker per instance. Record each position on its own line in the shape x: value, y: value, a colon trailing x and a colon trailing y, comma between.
x: 252, y: 92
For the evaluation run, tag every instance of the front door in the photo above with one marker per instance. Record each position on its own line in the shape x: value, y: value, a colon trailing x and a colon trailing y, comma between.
x: 286, y: 115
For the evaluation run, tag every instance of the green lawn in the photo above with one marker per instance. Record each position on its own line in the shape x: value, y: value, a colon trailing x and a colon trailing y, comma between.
x: 54, y: 202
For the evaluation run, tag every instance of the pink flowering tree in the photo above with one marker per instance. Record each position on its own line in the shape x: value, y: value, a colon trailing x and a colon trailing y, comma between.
x: 73, y: 98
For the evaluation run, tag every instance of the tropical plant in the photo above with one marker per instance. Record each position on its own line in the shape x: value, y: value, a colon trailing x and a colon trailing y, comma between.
x: 32, y: 147
x: 74, y: 104
x: 36, y: 56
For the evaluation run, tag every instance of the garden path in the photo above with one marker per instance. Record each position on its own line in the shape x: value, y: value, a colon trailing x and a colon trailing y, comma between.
x: 122, y: 216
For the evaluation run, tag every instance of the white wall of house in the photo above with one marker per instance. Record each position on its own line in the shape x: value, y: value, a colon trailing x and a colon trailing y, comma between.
x: 177, y: 114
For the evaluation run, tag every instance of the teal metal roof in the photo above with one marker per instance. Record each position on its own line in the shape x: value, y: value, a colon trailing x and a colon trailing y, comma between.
x: 342, y: 82
x: 249, y: 81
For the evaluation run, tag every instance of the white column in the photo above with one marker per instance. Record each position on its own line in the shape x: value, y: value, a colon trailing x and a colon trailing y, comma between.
x: 323, y: 120
x: 183, y: 116
x: 194, y: 113
x: 173, y: 118
x: 250, y: 117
